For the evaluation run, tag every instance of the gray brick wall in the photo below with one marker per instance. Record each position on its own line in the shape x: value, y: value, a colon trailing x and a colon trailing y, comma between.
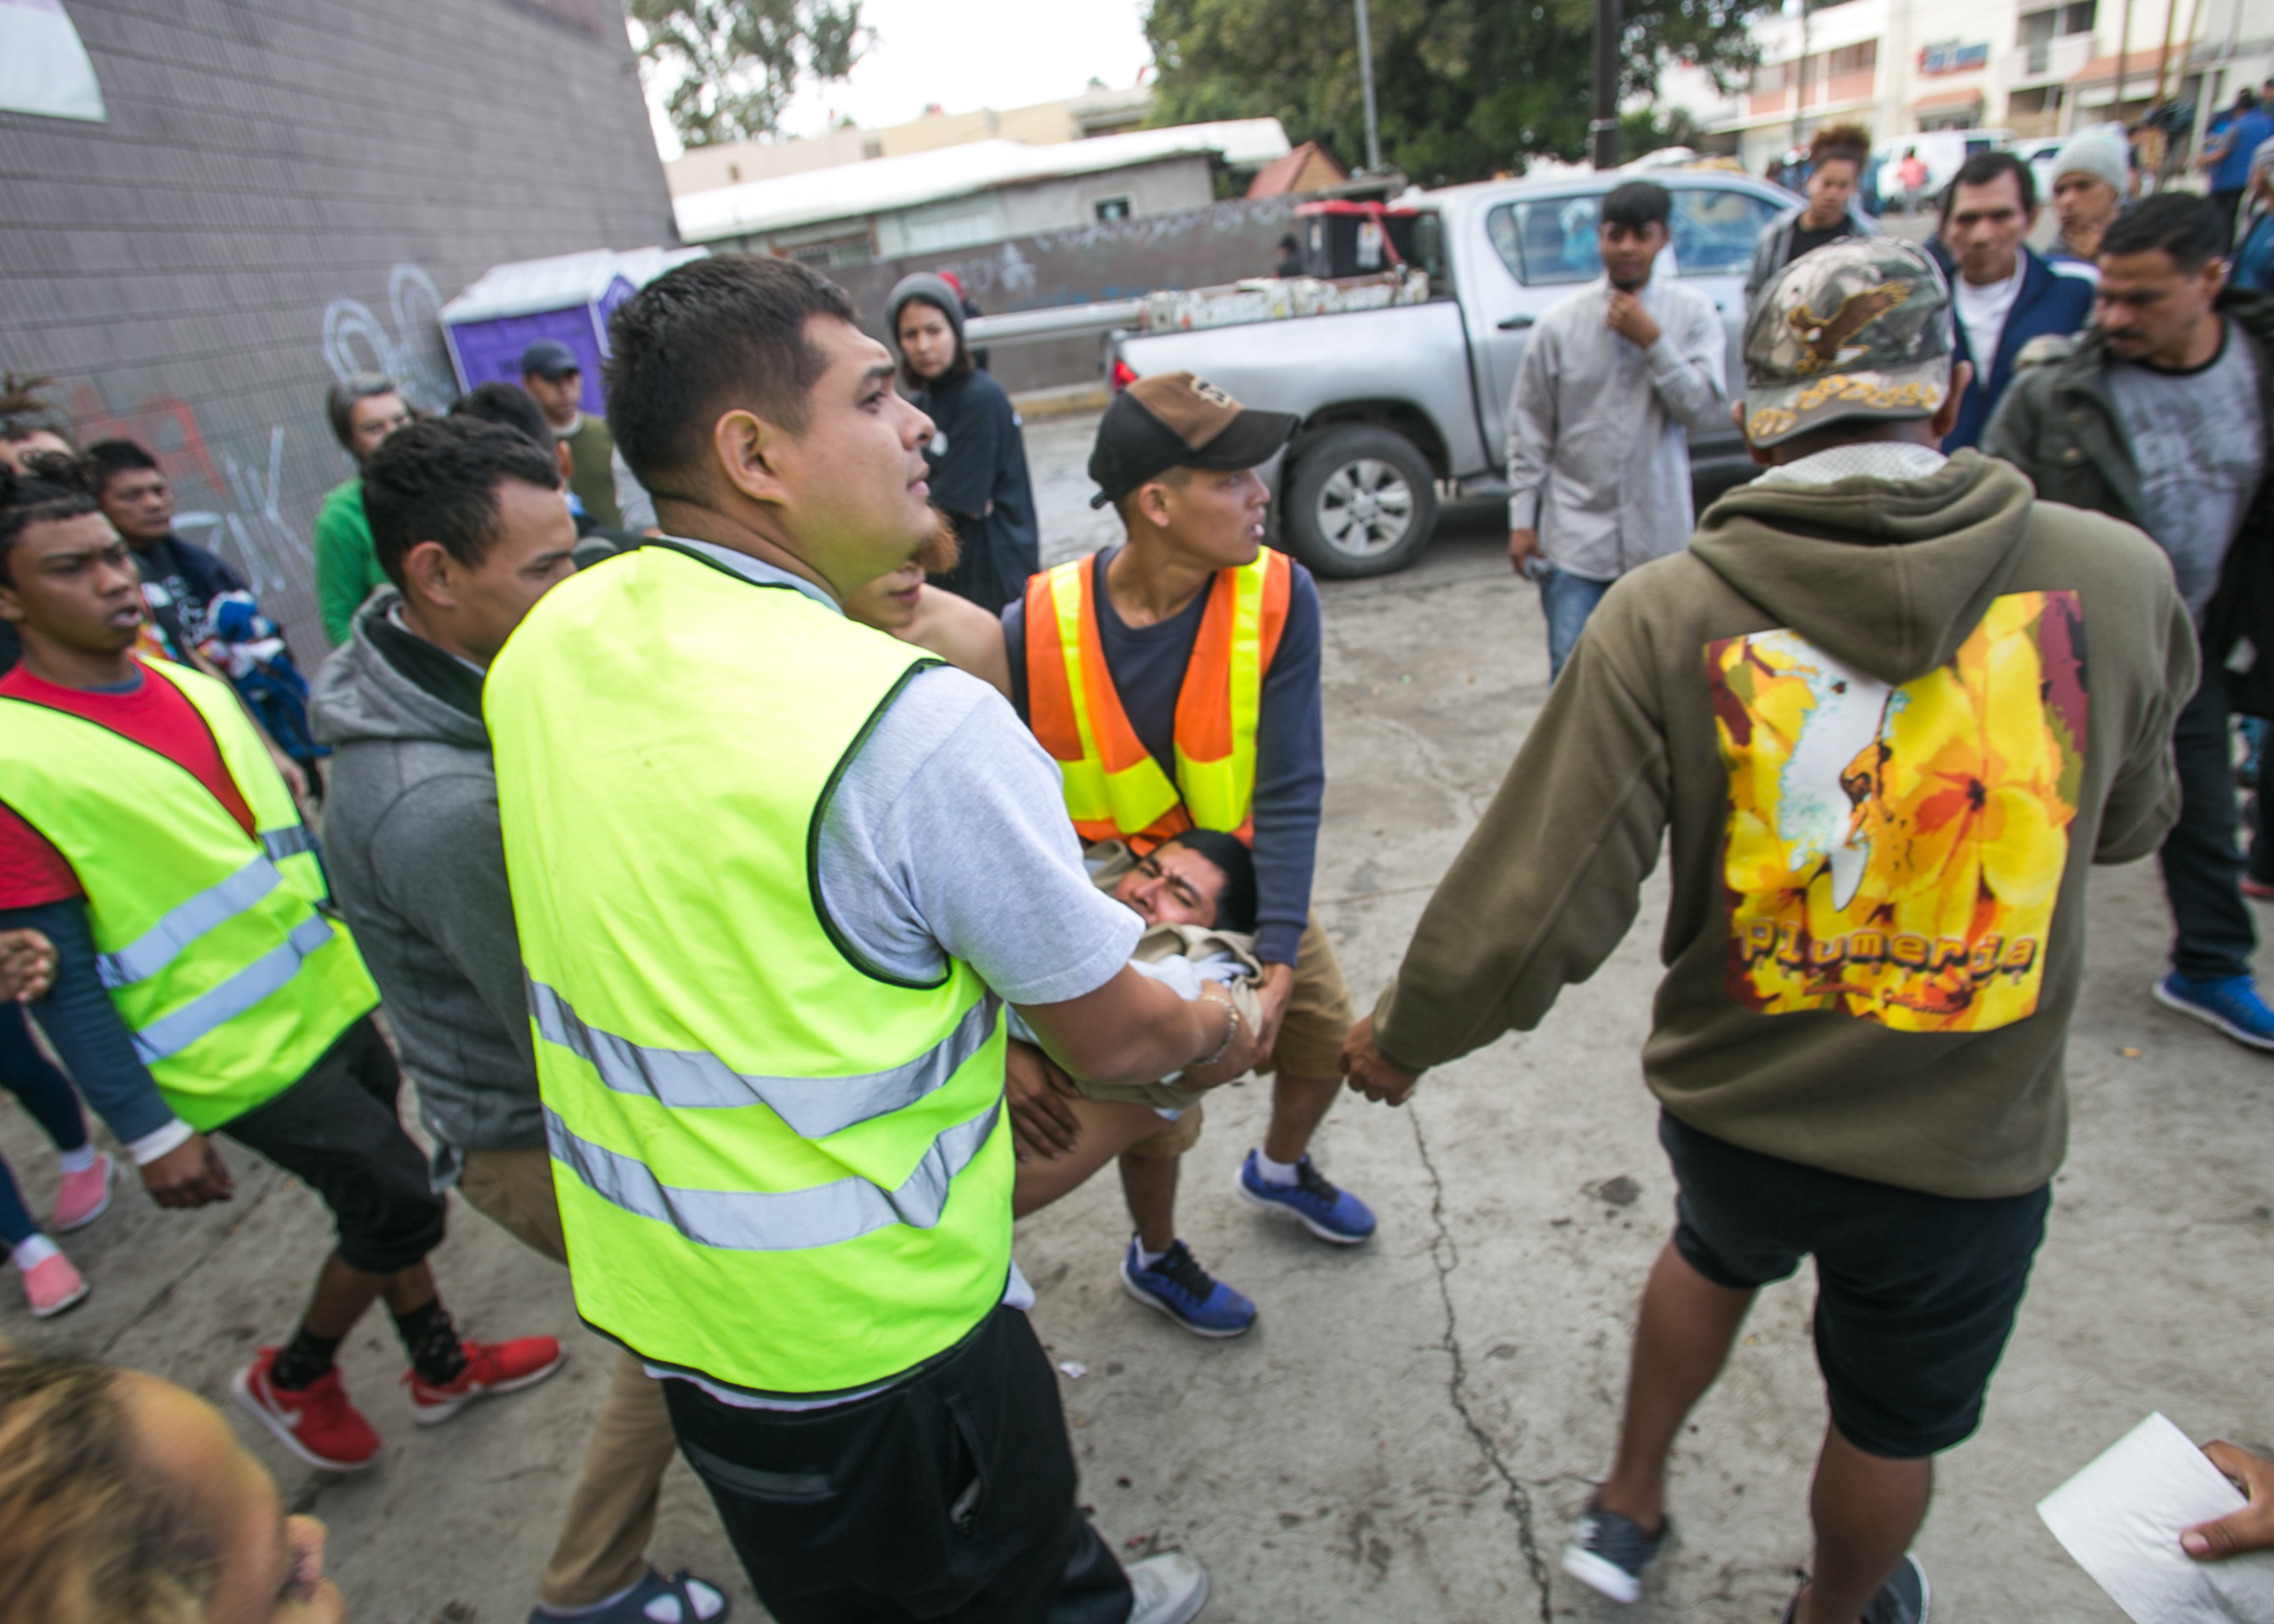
x: 285, y: 189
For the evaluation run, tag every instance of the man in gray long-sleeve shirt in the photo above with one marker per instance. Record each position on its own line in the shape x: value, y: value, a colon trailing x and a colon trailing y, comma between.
x: 1598, y: 462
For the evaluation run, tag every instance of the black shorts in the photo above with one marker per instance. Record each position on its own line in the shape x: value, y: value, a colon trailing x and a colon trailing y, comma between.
x: 1916, y: 1294
x: 337, y: 1132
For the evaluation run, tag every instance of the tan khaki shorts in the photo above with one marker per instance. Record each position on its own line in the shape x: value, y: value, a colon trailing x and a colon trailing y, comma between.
x: 1318, y: 1014
x: 1175, y: 1137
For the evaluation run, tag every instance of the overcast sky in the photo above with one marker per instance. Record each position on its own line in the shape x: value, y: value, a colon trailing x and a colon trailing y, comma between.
x: 967, y: 54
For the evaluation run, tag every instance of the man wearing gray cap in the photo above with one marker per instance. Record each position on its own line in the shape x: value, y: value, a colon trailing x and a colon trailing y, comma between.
x: 554, y: 378
x: 1859, y: 701
x: 2091, y: 178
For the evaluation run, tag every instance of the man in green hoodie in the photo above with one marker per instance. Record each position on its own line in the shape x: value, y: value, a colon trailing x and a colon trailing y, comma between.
x: 1860, y: 704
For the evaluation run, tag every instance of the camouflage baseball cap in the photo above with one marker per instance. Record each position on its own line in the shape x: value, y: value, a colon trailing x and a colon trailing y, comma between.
x: 1858, y: 329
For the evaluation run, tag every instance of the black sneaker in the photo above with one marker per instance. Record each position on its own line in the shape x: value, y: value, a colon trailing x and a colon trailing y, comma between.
x: 1900, y: 1600
x: 1608, y: 1553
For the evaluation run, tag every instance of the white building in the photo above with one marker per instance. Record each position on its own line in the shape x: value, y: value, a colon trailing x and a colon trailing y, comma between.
x: 2034, y: 67
x: 953, y: 197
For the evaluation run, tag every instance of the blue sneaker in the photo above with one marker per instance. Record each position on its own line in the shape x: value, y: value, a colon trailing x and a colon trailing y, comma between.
x: 1328, y: 1213
x: 1608, y: 1553
x: 1179, y: 1287
x: 2231, y: 1004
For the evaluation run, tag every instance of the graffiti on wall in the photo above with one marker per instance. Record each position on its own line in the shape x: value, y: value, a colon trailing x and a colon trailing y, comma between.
x: 250, y: 530
x: 355, y: 339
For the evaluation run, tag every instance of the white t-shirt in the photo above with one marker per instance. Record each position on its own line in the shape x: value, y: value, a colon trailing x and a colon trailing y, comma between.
x: 1982, y: 312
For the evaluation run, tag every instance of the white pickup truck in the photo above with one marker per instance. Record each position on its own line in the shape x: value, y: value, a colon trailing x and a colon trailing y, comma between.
x: 1399, y: 402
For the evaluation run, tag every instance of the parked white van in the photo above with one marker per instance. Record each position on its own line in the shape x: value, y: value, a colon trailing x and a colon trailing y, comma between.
x: 1944, y: 151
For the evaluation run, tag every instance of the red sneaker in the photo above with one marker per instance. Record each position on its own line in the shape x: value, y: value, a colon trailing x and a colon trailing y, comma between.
x: 491, y: 1367
x: 316, y: 1422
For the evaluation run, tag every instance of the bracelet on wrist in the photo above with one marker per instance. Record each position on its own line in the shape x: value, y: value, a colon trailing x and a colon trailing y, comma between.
x: 1231, y: 1031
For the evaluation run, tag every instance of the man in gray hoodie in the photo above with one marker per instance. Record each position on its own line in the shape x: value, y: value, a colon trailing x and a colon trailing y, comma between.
x: 468, y: 524
x: 1859, y: 703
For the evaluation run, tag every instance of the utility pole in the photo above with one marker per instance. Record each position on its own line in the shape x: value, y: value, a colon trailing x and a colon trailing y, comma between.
x: 1800, y: 71
x: 2122, y: 61
x: 1602, y: 130
x: 1373, y: 131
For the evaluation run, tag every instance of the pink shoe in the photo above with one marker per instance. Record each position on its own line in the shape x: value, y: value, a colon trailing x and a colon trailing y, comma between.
x: 53, y: 1285
x: 83, y: 1197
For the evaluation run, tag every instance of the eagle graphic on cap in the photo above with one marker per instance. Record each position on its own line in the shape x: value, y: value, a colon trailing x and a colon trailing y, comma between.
x: 1822, y: 338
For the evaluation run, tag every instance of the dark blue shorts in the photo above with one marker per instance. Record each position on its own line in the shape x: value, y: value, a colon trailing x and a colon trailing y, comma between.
x: 1916, y: 1294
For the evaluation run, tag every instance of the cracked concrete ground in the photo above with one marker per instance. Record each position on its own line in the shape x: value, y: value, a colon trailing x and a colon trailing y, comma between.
x: 1412, y: 1424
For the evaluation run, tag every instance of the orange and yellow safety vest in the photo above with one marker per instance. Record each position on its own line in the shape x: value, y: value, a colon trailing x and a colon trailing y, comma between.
x: 1113, y: 787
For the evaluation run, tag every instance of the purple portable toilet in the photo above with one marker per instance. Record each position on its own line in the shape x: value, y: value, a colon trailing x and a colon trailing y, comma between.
x: 569, y: 297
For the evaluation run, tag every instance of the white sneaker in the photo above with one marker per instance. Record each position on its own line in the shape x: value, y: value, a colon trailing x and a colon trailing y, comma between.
x: 1171, y: 1589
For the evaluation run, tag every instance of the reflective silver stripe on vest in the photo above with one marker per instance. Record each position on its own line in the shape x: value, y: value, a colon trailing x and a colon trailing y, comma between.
x: 812, y: 1107
x: 172, y: 1033
x: 791, y: 1221
x: 282, y: 843
x: 185, y: 922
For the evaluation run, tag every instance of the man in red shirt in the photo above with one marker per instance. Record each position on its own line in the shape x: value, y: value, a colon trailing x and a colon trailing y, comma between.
x: 214, y: 1015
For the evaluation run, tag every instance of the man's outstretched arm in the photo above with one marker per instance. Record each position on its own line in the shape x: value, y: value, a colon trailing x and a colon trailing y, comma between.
x: 1547, y: 885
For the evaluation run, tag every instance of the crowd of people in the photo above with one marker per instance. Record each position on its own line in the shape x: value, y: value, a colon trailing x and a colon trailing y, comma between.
x: 773, y: 884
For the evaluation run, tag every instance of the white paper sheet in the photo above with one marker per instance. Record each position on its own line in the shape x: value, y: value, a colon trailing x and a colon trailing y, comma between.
x: 2122, y: 1516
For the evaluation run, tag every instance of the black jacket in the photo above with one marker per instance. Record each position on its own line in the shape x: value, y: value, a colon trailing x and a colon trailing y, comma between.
x: 2059, y: 424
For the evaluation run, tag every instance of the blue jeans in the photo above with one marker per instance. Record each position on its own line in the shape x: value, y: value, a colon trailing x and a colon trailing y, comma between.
x: 47, y: 1095
x: 2214, y: 934
x: 1566, y: 600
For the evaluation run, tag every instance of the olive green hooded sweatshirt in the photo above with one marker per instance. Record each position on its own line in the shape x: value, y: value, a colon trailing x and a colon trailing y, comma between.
x: 1865, y: 713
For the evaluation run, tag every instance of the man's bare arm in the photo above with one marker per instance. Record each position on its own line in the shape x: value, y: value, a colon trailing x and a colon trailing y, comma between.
x: 962, y: 634
x: 1134, y: 1031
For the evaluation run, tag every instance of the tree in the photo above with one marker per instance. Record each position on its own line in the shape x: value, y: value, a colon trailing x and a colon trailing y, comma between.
x: 740, y: 62
x: 1467, y: 88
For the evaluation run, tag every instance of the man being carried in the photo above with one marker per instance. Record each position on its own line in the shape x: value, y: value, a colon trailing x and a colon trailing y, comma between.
x: 2158, y: 415
x: 1598, y: 453
x: 198, y: 985
x: 1175, y: 680
x: 468, y: 523
x: 774, y: 877
x: 1861, y: 706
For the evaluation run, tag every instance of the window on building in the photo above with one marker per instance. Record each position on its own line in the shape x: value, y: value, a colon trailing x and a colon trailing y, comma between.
x: 1111, y: 208
x: 1771, y: 78
x: 834, y: 251
x: 1861, y: 58
x: 2057, y: 22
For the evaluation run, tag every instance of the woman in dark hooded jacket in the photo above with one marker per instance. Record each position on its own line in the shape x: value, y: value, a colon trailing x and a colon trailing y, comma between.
x: 978, y: 461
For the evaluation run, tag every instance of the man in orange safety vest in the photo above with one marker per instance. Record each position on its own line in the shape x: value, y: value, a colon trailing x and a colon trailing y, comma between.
x: 1175, y: 680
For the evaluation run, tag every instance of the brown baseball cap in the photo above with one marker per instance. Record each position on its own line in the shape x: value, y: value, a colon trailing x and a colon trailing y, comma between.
x: 1176, y: 420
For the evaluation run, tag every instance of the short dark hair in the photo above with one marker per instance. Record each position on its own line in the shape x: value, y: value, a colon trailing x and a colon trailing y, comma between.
x: 437, y: 480
x: 509, y: 404
x: 1851, y: 142
x: 2188, y: 228
x: 338, y: 401
x: 106, y: 459
x: 23, y: 413
x: 52, y: 486
x: 1982, y: 169
x: 1638, y: 203
x: 1236, y: 908
x: 705, y: 336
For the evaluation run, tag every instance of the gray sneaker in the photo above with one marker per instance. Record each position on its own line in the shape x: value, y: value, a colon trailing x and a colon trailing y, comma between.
x: 1900, y: 1600
x: 1608, y: 1553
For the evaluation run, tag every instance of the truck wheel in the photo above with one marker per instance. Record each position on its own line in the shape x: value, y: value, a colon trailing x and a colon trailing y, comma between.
x: 1361, y: 502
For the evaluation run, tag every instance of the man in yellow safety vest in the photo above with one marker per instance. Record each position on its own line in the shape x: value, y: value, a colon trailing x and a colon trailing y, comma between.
x: 775, y: 876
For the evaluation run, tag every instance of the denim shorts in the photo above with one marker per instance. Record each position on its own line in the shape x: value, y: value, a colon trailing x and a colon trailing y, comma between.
x: 1916, y: 1294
